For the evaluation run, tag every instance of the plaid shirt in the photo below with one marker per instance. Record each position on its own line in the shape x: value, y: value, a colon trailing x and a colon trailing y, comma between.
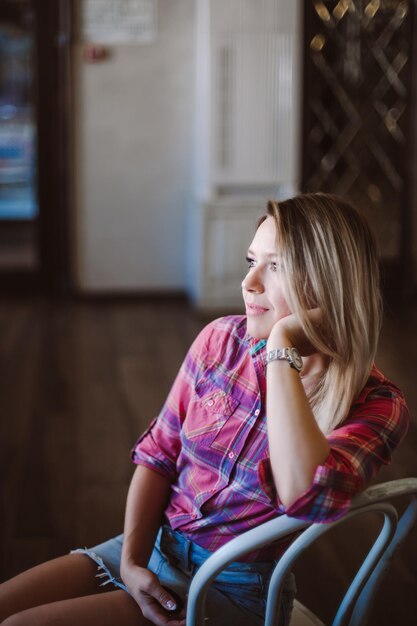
x: 210, y: 440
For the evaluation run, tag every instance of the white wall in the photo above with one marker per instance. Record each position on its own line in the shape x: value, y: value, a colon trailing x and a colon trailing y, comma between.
x: 133, y: 157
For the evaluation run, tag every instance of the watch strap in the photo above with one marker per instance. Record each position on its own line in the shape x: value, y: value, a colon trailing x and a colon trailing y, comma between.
x: 279, y: 354
x: 285, y: 354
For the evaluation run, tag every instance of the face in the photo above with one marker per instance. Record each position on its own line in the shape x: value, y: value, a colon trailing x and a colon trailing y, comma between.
x: 263, y: 285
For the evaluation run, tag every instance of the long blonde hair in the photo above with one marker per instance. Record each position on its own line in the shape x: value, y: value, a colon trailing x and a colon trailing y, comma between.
x: 329, y: 259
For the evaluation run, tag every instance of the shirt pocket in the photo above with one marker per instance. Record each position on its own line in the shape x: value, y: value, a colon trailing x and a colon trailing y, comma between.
x: 207, y: 413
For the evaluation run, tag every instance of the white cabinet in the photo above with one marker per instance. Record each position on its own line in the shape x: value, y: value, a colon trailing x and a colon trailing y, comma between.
x: 221, y: 239
x: 247, y: 134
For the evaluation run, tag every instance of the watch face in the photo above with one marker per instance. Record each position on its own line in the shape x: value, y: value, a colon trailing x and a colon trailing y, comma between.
x: 296, y: 359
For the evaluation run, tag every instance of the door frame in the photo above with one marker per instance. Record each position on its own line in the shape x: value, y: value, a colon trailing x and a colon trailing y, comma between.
x: 53, y: 39
x: 52, y: 25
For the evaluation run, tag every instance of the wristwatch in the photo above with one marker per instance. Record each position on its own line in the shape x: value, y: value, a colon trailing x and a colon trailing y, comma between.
x: 286, y: 354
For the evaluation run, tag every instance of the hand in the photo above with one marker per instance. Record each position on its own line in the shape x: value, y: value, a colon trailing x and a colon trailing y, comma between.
x: 288, y: 332
x: 156, y: 603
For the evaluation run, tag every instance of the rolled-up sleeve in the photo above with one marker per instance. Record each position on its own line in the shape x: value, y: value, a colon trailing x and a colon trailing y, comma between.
x: 159, y: 446
x: 358, y: 448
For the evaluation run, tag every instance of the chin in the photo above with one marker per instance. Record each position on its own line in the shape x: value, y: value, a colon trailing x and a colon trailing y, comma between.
x: 257, y: 330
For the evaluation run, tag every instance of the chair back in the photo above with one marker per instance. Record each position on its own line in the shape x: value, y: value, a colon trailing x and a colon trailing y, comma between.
x: 357, y: 601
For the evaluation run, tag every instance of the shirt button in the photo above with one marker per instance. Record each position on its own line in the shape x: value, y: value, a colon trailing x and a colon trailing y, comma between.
x: 231, y: 455
x: 210, y: 402
x: 257, y: 412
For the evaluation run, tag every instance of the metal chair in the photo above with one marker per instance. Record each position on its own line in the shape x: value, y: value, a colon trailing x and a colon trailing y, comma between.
x: 357, y: 601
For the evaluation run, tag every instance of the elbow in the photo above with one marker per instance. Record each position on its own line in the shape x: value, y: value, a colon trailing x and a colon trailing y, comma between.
x: 297, y: 484
x: 298, y: 478
x: 289, y: 496
x: 291, y: 490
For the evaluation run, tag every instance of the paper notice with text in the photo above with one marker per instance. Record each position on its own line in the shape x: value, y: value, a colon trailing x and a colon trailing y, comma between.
x: 119, y: 21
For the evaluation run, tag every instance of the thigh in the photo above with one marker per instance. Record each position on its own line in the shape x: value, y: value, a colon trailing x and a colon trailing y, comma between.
x: 66, y: 577
x: 107, y: 609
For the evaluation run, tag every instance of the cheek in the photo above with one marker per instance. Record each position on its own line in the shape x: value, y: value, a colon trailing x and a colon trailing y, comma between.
x: 283, y: 308
x: 277, y: 297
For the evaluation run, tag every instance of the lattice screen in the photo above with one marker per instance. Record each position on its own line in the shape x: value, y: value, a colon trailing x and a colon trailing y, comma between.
x: 357, y: 107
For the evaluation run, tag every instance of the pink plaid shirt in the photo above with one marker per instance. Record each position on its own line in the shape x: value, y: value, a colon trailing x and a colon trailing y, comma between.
x: 210, y: 441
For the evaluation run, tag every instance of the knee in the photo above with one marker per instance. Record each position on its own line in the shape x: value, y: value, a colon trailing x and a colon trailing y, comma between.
x: 19, y: 619
x: 9, y: 609
x: 12, y: 620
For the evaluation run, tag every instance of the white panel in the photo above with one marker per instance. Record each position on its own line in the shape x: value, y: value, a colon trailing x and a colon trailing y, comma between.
x: 253, y: 111
x: 228, y: 241
x: 230, y: 225
x: 254, y: 106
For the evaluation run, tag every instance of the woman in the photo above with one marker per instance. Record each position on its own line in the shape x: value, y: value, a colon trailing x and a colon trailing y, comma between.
x: 281, y: 410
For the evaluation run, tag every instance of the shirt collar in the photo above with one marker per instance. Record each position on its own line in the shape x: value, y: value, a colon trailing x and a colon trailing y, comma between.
x: 256, y: 345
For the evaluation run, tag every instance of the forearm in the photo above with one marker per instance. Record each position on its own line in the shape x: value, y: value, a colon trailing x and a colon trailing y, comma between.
x: 296, y: 444
x: 146, y: 501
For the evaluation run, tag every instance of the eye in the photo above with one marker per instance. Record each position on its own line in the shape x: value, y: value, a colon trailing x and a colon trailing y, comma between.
x: 250, y: 262
x: 275, y: 266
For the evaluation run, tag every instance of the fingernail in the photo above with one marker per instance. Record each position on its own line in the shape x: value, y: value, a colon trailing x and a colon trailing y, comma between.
x: 171, y: 605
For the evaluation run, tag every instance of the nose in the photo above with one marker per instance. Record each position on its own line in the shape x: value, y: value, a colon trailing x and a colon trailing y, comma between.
x: 252, y: 282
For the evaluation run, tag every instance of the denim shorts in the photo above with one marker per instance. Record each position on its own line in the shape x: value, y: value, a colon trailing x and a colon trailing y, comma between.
x: 237, y: 596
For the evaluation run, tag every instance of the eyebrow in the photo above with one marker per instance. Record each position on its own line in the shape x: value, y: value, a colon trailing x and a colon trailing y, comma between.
x: 270, y: 255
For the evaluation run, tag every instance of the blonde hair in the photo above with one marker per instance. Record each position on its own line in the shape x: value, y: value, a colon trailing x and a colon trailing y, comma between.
x: 329, y: 259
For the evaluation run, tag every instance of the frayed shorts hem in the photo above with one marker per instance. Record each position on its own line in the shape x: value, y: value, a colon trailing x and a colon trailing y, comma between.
x: 102, y: 569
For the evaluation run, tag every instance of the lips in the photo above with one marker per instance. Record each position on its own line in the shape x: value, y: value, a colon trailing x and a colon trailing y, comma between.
x: 255, y: 309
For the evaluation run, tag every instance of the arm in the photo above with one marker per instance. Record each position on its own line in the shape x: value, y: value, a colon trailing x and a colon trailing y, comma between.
x: 146, y: 501
x: 331, y: 469
x: 296, y: 444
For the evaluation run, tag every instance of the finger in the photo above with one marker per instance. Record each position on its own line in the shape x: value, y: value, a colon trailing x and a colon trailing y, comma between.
x: 158, y: 616
x: 156, y: 591
x: 176, y: 621
x: 166, y: 599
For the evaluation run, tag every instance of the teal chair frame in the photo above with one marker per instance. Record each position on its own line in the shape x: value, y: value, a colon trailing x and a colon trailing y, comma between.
x: 357, y: 601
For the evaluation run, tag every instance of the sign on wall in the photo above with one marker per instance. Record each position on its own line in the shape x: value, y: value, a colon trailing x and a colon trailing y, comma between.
x: 119, y: 21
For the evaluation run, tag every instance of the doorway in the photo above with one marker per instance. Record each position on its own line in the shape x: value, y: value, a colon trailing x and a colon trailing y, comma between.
x: 34, y: 147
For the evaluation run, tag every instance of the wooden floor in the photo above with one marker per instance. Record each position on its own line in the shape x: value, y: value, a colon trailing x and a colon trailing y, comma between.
x: 79, y: 381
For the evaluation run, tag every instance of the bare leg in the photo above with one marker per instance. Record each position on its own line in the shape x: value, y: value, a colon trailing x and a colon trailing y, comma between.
x: 66, y: 577
x: 107, y: 609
